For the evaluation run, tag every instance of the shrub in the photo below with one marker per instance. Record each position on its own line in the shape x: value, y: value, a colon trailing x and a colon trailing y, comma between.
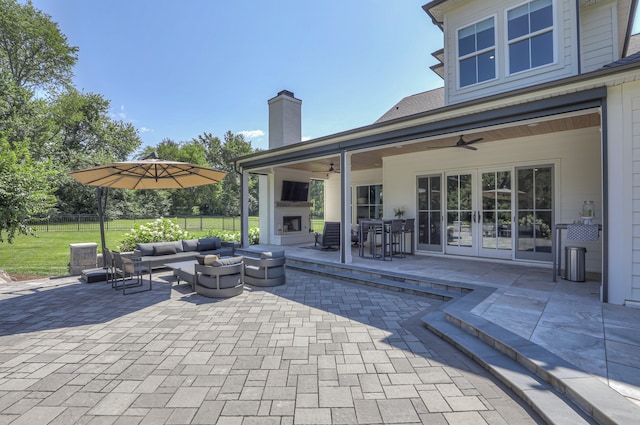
x: 230, y: 236
x: 160, y: 230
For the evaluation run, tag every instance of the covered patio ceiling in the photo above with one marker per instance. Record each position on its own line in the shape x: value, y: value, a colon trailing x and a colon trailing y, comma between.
x: 372, y: 158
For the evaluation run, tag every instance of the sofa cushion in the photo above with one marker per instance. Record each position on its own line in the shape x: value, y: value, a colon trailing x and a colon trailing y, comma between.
x: 190, y: 245
x: 208, y: 244
x: 227, y: 261
x: 163, y: 250
x: 272, y: 254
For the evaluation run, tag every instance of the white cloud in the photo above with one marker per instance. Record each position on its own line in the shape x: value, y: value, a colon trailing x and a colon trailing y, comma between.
x: 120, y: 115
x: 251, y: 134
x: 144, y: 129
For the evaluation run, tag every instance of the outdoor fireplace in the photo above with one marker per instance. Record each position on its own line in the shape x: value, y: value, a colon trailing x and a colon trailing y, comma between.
x: 292, y: 223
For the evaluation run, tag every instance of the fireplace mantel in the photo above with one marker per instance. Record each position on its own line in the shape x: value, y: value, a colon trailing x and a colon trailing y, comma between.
x: 296, y: 204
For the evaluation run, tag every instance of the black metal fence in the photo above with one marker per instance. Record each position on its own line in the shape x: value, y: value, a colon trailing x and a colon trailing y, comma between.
x: 90, y: 222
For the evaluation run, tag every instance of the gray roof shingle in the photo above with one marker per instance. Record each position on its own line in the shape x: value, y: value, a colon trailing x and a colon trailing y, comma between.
x: 415, y: 104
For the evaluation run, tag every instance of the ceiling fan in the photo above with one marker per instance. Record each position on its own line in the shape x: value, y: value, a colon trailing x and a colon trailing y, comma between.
x: 462, y: 144
x: 332, y: 169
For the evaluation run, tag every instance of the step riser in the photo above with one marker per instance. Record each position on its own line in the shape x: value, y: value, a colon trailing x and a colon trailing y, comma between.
x: 364, y: 279
x: 440, y: 291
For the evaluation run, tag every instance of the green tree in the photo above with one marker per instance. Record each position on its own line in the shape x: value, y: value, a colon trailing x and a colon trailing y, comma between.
x: 34, y: 57
x: 25, y: 189
x: 233, y: 147
x: 80, y: 127
x: 33, y: 51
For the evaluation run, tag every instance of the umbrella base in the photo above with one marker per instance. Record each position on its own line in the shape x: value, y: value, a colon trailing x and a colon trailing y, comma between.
x: 94, y: 275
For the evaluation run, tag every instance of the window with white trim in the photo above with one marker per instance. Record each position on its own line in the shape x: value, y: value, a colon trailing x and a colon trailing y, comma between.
x: 530, y: 35
x: 477, y: 53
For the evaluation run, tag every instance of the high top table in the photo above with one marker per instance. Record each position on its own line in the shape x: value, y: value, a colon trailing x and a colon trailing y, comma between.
x: 377, y: 227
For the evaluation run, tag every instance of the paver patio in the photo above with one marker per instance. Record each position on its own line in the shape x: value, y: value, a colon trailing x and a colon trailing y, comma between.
x: 314, y: 351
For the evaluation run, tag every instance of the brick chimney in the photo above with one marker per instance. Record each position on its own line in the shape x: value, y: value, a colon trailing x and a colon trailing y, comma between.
x: 285, y: 120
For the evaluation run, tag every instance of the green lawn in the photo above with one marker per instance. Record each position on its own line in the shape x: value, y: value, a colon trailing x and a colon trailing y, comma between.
x: 48, y: 254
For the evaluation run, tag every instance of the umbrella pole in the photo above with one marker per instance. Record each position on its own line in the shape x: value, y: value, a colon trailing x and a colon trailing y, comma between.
x: 100, y: 194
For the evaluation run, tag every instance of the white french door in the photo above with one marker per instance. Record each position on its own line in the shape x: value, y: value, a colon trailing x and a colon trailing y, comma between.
x: 478, y: 217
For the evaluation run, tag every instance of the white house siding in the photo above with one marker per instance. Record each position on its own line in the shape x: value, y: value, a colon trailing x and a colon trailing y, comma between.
x: 623, y: 104
x: 575, y: 155
x: 461, y: 16
x: 599, y: 40
x: 332, y: 191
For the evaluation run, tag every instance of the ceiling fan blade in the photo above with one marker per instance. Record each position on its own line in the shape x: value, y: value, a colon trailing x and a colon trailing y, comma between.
x: 474, y: 141
x: 473, y: 148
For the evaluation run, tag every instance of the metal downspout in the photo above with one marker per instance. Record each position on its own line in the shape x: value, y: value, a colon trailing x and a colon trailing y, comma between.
x: 605, y: 204
x: 579, y: 52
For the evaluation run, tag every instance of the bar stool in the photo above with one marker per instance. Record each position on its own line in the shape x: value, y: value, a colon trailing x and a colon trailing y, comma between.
x: 407, y: 228
x: 395, y: 238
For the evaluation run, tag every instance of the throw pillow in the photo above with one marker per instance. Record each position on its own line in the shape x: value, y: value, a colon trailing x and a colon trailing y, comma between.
x: 164, y: 250
x: 210, y: 259
x: 190, y: 245
x: 200, y: 259
x: 207, y: 244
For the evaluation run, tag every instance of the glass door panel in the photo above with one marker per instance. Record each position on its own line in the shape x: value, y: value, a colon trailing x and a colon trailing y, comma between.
x: 496, y: 214
x: 429, y: 213
x: 460, y: 213
x: 535, y: 212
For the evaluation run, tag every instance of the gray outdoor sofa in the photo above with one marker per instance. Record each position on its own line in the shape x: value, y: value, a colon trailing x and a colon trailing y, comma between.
x: 157, y: 254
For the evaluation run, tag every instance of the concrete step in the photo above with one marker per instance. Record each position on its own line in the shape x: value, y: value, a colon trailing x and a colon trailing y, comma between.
x: 596, y: 399
x: 551, y: 405
x: 559, y: 391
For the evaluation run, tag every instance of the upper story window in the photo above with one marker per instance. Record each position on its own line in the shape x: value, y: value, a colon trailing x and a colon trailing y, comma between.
x: 530, y: 35
x: 476, y: 52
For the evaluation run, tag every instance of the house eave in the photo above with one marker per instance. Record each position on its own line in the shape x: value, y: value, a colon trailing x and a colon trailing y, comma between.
x: 586, y: 86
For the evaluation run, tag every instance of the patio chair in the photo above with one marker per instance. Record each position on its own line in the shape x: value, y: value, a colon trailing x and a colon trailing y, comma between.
x: 330, y: 235
x: 109, y: 267
x: 129, y: 269
x: 268, y: 270
x: 223, y: 279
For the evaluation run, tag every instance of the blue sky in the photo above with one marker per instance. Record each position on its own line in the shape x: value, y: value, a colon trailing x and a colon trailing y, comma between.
x: 177, y: 69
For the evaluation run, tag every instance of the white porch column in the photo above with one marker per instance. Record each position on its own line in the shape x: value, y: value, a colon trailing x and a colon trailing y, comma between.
x: 265, y: 209
x: 244, y: 208
x: 622, y: 208
x: 345, y: 207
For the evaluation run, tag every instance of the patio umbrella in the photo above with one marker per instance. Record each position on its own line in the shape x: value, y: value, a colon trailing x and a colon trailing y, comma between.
x: 147, y: 173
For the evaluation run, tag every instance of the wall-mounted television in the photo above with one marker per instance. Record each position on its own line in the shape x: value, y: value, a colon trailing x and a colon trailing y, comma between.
x: 295, y: 191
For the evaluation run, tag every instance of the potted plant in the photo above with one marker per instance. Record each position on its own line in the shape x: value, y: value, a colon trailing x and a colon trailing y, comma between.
x: 399, y: 212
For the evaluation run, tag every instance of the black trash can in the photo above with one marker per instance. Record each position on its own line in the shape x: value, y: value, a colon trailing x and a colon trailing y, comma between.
x: 574, y: 263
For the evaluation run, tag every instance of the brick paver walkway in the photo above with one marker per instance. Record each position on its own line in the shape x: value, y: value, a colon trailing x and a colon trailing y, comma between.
x: 314, y: 351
